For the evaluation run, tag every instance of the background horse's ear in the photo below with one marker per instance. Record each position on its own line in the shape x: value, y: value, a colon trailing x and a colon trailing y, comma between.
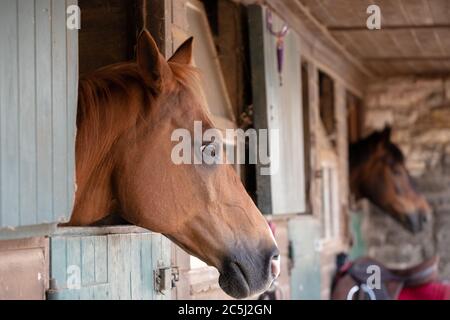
x: 183, y: 55
x: 386, y: 134
x: 149, y: 60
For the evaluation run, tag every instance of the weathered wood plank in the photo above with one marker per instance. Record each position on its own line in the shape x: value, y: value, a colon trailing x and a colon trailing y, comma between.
x: 102, y: 292
x: 59, y: 111
x: 99, y: 231
x: 72, y: 97
x: 58, y: 261
x: 101, y: 259
x: 148, y: 291
x: 87, y: 293
x: 27, y: 107
x: 429, y: 42
x: 73, y: 262
x: 406, y: 43
x: 440, y: 10
x: 135, y: 266
x: 418, y: 11
x: 444, y: 38
x: 9, y: 115
x: 288, y: 190
x: 113, y: 262
x: 392, y: 13
x: 320, y: 12
x: 159, y: 26
x: 348, y: 43
x: 260, y: 101
x: 44, y: 132
x: 118, y: 266
x: 87, y: 261
x: 124, y: 279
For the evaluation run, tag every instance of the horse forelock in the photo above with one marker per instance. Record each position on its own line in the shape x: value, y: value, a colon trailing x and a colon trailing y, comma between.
x: 395, y: 153
x: 189, y: 78
x: 362, y: 150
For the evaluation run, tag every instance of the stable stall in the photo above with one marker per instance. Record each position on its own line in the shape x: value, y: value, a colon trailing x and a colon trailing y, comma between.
x: 41, y: 60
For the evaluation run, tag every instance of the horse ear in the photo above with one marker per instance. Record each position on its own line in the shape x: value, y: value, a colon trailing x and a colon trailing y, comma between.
x: 149, y: 60
x: 183, y: 55
x: 386, y: 134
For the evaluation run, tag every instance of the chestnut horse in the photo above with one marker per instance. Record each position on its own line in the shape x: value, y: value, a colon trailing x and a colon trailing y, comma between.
x: 378, y: 173
x: 126, y: 115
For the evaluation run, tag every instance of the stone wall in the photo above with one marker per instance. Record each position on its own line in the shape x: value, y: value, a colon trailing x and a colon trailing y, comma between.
x: 419, y: 111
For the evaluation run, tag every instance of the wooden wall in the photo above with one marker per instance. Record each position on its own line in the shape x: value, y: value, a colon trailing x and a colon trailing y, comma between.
x: 38, y: 88
x: 115, y: 263
x: 278, y: 108
x: 108, y: 33
x: 24, y: 268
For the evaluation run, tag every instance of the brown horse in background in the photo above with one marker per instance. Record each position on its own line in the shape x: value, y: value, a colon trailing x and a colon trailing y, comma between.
x: 126, y: 115
x: 378, y: 173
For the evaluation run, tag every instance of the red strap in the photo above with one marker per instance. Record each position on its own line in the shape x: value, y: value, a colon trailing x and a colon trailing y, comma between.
x: 429, y: 291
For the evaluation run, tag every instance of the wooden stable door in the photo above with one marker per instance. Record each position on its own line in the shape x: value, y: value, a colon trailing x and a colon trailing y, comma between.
x: 113, y: 263
x: 305, y: 242
x: 38, y: 101
x: 278, y: 108
x: 38, y: 92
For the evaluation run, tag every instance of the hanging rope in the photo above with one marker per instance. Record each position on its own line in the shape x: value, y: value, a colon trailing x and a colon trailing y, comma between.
x: 280, y: 35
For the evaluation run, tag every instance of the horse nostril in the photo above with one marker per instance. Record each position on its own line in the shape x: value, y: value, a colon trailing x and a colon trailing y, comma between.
x: 424, y: 218
x: 415, y: 222
x: 275, y: 266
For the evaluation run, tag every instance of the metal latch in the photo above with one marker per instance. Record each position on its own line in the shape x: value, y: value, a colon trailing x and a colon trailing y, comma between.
x: 165, y: 278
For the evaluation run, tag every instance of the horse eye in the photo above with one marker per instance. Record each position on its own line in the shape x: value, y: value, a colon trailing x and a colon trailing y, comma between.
x: 397, y: 171
x: 210, y: 148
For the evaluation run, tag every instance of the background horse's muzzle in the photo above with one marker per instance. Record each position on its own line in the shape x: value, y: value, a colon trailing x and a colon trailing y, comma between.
x: 248, y: 274
x: 416, y: 222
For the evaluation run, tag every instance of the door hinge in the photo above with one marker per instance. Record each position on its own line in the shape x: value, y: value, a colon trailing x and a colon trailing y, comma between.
x: 165, y: 278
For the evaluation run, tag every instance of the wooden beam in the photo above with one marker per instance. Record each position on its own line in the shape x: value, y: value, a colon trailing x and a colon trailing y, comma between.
x: 320, y: 52
x: 394, y: 59
x: 328, y: 36
x: 158, y: 22
x: 392, y: 27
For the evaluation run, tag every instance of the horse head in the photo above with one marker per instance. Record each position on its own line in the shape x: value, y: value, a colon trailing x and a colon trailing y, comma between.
x: 378, y: 173
x: 126, y: 116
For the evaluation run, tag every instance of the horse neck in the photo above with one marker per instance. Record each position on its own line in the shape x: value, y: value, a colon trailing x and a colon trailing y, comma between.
x: 100, y: 126
x: 355, y: 169
x: 355, y: 181
x: 94, y: 198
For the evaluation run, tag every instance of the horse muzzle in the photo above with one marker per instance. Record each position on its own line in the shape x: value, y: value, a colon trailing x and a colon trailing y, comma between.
x: 416, y: 222
x: 244, y: 276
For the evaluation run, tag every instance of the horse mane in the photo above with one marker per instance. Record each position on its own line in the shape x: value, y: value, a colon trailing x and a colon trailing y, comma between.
x: 111, y: 101
x: 362, y: 150
x: 108, y: 104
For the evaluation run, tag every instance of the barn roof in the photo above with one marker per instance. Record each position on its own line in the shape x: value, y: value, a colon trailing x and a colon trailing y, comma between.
x: 414, y: 38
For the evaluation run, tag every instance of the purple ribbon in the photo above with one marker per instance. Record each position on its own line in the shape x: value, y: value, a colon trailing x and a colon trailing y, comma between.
x: 280, y: 42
